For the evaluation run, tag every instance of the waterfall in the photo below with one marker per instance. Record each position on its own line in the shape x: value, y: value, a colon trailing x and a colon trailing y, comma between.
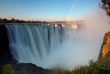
x: 31, y: 43
x: 56, y: 45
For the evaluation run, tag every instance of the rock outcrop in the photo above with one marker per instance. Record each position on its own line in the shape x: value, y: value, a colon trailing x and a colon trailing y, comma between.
x: 29, y: 68
x: 105, y: 49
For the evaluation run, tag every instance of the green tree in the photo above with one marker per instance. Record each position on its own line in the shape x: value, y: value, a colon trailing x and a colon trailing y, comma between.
x: 106, y: 6
x: 7, y: 69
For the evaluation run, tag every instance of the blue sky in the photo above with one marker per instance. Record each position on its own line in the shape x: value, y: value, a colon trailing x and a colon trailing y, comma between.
x: 47, y: 10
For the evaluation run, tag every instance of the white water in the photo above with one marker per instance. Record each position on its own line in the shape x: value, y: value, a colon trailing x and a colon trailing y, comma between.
x: 55, y: 48
x: 33, y: 43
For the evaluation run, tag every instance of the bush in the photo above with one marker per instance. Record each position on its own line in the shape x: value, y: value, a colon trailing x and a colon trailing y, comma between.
x: 7, y: 69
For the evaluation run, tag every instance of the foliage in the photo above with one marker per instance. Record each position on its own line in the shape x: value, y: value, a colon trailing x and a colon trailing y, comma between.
x: 106, y: 6
x: 4, y: 20
x: 7, y: 69
x: 100, y: 67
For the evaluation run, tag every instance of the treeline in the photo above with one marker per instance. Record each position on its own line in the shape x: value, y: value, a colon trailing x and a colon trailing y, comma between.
x: 13, y: 20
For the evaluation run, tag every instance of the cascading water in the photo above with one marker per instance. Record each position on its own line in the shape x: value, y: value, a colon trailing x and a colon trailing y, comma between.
x: 32, y: 43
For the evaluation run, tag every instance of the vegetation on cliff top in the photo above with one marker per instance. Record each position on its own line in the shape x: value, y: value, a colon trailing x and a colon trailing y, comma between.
x: 4, y: 20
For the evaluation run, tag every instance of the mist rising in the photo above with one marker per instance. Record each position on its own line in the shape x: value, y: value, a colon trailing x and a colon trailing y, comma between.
x: 81, y: 45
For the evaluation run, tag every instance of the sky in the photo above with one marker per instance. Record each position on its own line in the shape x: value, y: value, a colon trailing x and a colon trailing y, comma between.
x: 47, y: 10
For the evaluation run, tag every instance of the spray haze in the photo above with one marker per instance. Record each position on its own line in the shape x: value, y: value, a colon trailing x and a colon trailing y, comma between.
x: 82, y: 45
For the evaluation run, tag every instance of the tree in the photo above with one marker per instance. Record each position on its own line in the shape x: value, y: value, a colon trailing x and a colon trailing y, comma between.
x: 4, y: 20
x: 106, y: 6
x: 7, y: 69
x: 13, y: 20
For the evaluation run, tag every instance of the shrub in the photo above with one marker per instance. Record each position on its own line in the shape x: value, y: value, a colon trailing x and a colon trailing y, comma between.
x: 7, y: 69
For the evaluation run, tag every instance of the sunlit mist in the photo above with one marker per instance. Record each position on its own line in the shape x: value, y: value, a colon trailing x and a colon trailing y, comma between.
x: 74, y: 26
x: 56, y: 25
x: 63, y: 25
x: 48, y: 24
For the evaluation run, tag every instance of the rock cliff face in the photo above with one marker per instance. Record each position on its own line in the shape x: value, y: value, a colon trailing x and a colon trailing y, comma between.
x: 105, y: 49
x: 6, y: 57
x: 5, y: 53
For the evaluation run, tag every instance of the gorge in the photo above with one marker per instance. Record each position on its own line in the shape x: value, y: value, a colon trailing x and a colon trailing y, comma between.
x: 52, y: 46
